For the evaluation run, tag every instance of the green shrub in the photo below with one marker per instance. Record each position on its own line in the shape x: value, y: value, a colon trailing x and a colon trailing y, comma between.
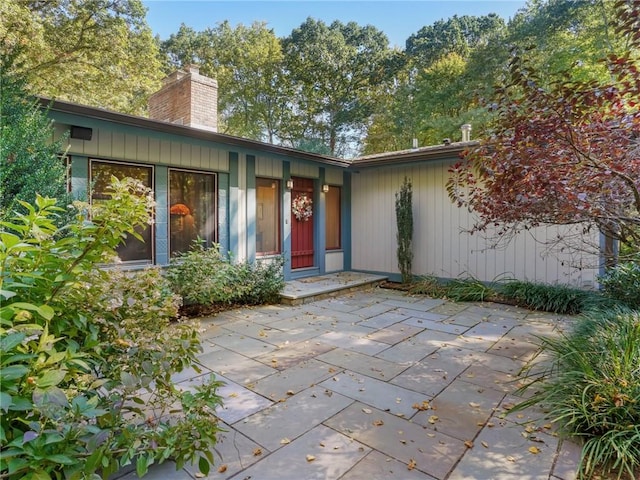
x: 622, y: 283
x: 427, y: 285
x: 203, y: 276
x: 593, y: 389
x: 88, y: 354
x: 548, y: 298
x: 468, y: 290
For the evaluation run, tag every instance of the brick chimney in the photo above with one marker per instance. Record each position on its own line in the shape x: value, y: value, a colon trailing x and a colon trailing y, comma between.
x: 187, y: 98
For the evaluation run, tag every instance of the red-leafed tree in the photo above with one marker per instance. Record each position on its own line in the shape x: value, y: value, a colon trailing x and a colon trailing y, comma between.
x: 561, y: 151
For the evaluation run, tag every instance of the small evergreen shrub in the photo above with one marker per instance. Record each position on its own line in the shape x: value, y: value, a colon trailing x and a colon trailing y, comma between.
x: 593, y: 390
x: 203, y: 276
x: 622, y: 283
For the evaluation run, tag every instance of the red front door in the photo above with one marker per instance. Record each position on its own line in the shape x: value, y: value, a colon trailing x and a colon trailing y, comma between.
x: 302, y: 224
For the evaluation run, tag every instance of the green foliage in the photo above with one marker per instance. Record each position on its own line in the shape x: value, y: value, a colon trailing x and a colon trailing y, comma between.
x: 428, y: 285
x: 592, y: 390
x: 622, y: 282
x: 468, y: 290
x: 404, y: 223
x: 203, y: 276
x: 29, y: 160
x: 88, y: 354
x: 548, y: 298
x: 92, y: 52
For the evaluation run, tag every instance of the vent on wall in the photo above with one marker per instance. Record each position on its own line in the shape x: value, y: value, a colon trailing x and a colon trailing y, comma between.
x: 81, y: 133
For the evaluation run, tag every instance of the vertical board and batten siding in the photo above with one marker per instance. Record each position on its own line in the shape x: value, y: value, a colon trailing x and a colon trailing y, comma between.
x: 442, y: 245
x: 334, y: 176
x: 269, y: 167
x: 302, y: 169
x: 107, y: 144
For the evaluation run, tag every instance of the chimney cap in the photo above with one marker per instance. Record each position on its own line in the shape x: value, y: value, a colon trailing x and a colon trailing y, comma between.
x: 193, y: 68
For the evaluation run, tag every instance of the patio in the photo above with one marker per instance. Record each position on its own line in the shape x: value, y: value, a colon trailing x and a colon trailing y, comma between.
x: 376, y: 384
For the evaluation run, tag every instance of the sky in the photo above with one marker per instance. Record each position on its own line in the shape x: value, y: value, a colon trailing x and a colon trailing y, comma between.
x: 398, y: 19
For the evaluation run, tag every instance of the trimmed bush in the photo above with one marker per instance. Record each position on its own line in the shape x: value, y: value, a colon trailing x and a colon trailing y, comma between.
x: 468, y: 290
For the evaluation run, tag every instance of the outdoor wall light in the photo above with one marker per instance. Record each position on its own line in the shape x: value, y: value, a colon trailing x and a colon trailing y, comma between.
x: 325, y: 188
x: 289, y: 184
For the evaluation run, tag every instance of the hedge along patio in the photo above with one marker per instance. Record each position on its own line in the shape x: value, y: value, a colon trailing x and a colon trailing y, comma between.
x: 239, y: 193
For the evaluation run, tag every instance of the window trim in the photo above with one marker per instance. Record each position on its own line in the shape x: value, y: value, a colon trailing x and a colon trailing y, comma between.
x: 216, y: 193
x: 339, y: 247
x: 152, y: 226
x: 278, y: 209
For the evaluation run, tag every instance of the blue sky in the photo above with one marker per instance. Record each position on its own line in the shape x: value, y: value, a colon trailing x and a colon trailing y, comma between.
x: 398, y: 19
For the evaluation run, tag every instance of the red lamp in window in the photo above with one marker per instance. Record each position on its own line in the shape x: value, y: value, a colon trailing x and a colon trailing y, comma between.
x: 179, y: 209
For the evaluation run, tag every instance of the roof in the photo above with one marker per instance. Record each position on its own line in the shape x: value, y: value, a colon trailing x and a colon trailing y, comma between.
x: 430, y: 153
x: 182, y: 130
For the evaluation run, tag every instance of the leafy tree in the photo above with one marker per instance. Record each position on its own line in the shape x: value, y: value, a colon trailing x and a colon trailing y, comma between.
x: 459, y: 35
x: 335, y: 70
x: 97, y: 52
x: 29, y: 161
x: 563, y: 151
x: 253, y: 95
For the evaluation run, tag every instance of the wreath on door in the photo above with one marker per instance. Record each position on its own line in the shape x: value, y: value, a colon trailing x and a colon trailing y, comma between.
x: 301, y: 208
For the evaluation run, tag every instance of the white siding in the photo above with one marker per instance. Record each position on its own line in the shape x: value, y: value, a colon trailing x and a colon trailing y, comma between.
x: 334, y: 261
x: 442, y: 246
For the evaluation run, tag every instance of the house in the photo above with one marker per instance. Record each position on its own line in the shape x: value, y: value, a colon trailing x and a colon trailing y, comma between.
x: 239, y: 193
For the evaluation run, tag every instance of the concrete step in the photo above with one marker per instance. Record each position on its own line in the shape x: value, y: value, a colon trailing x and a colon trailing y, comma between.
x: 310, y: 289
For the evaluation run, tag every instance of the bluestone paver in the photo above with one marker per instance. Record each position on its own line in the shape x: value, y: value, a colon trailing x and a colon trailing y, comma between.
x: 377, y: 385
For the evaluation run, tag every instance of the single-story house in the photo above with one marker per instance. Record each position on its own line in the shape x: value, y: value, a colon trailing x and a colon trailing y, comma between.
x: 257, y: 200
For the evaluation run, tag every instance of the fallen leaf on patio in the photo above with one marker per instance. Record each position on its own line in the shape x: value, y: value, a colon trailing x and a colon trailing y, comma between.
x: 222, y: 469
x: 310, y: 458
x: 508, y: 406
x: 547, y: 426
x: 433, y: 419
x: 471, y: 375
x: 534, y: 450
x: 484, y: 444
x: 520, y: 415
x: 367, y: 410
x: 262, y: 334
x: 200, y: 475
x: 530, y: 428
x: 468, y: 444
x: 290, y: 392
x: 233, y: 395
x: 328, y: 393
x: 285, y: 441
x: 332, y: 370
x: 490, y: 425
x: 412, y: 464
x: 257, y: 452
x: 511, y: 459
x: 404, y: 442
x: 378, y: 423
x: 474, y: 404
x: 431, y: 435
x: 421, y: 407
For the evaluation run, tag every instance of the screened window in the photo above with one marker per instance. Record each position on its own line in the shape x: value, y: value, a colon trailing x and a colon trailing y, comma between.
x: 332, y: 205
x: 192, y: 210
x: 131, y: 249
x: 267, y: 216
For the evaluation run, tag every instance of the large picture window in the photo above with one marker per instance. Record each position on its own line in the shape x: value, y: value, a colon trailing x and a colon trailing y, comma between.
x: 131, y: 249
x: 192, y: 210
x: 267, y: 216
x: 332, y: 205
